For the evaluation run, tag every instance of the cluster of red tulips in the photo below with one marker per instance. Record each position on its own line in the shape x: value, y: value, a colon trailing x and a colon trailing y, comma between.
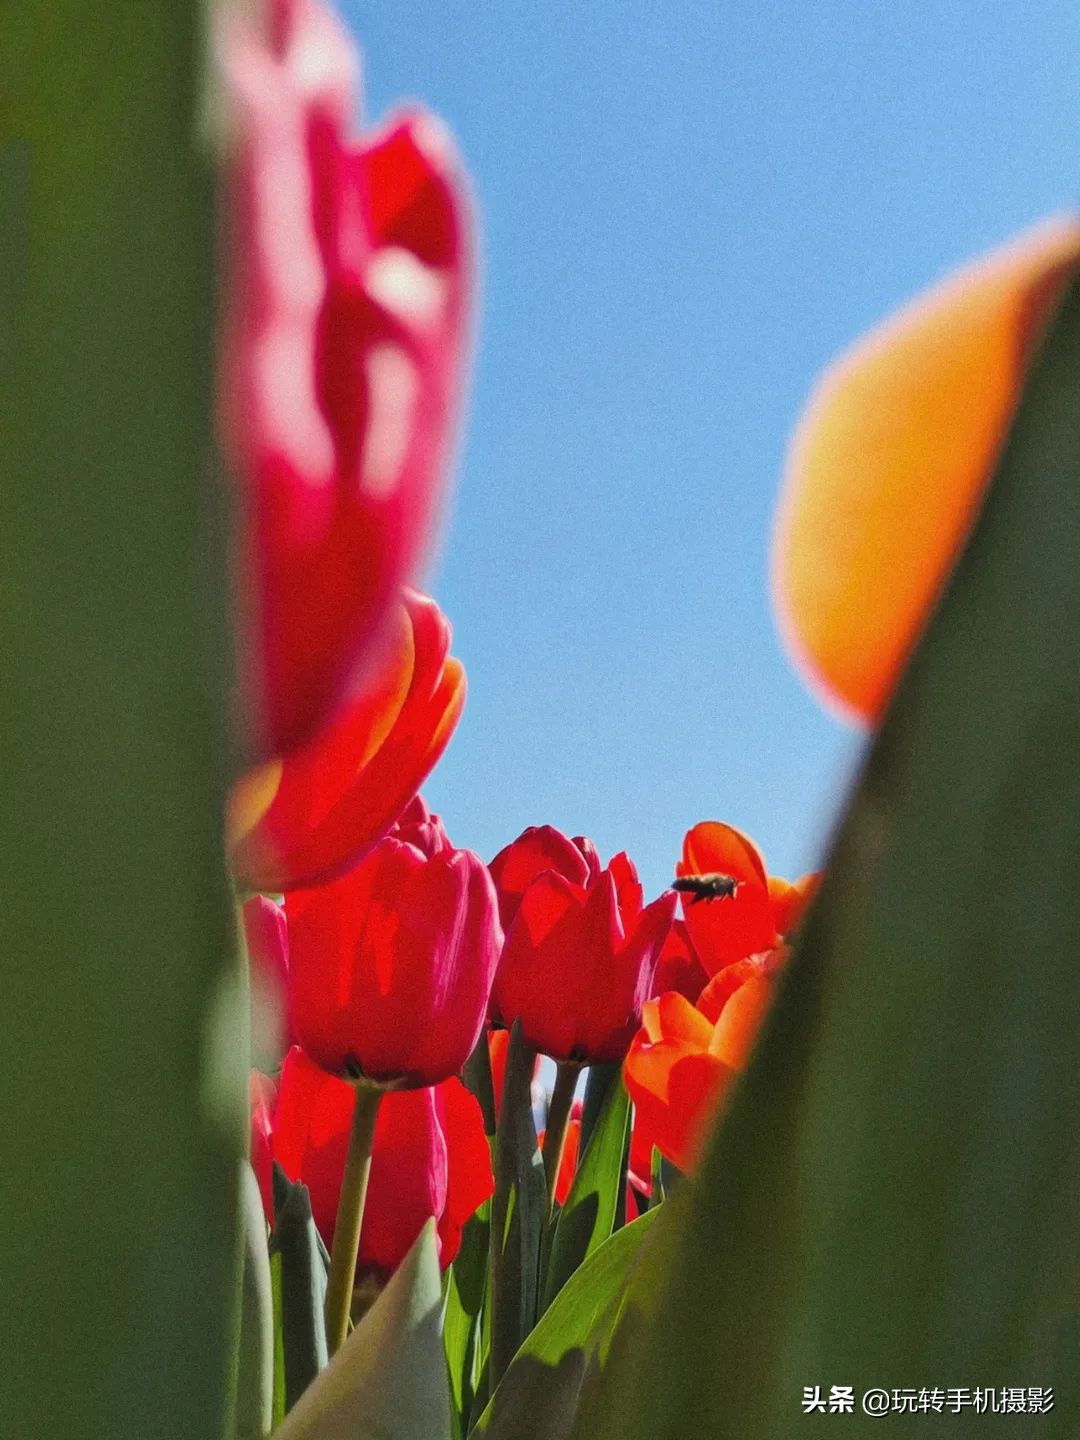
x: 390, y: 976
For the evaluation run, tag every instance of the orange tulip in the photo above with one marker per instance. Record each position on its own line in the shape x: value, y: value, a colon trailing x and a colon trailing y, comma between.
x: 891, y: 458
x: 763, y: 910
x: 684, y: 1058
x: 306, y: 818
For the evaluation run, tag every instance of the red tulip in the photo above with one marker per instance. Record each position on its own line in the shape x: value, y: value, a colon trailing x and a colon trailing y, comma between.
x: 262, y: 1097
x: 683, y: 1060
x: 579, y: 960
x: 390, y: 967
x: 268, y: 960
x: 417, y: 825
x: 539, y: 848
x: 757, y: 917
x: 307, y: 818
x: 348, y: 303
x: 430, y: 1158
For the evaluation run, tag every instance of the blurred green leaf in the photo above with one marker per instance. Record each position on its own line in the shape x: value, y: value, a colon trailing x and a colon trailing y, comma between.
x: 538, y: 1393
x: 297, y: 1245
x: 388, y: 1380
x: 119, y: 1251
x: 255, y: 1369
x: 518, y: 1212
x: 588, y: 1217
x: 892, y: 1198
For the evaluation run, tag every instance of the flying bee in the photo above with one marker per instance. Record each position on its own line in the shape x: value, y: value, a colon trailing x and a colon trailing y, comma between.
x: 707, y: 887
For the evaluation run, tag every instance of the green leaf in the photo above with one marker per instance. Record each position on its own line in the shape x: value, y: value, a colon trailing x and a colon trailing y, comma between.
x: 388, y: 1380
x: 892, y: 1199
x: 255, y: 1370
x: 466, y: 1289
x: 297, y: 1245
x: 478, y: 1080
x: 588, y: 1217
x: 539, y: 1391
x: 598, y: 1084
x: 518, y: 1212
x: 659, y: 1188
x: 279, y: 1348
x: 119, y: 1181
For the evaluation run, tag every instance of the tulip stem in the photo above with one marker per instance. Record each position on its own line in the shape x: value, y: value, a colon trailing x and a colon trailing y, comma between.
x: 350, y: 1216
x: 562, y: 1100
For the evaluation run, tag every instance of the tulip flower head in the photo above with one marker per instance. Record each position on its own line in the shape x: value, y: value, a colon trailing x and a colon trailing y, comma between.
x: 683, y: 1060
x: 417, y: 825
x: 390, y: 967
x: 758, y: 916
x: 890, y: 461
x: 539, y: 848
x: 262, y: 1098
x: 579, y: 959
x: 266, y: 939
x: 350, y: 285
x: 306, y: 818
x: 430, y: 1158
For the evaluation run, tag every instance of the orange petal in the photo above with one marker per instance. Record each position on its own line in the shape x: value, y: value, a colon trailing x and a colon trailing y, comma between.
x: 889, y: 462
x: 789, y: 901
x: 740, y: 1020
x: 672, y: 1017
x: 726, y: 930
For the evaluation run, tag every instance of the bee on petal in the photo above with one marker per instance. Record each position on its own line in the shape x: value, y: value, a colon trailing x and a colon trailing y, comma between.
x: 707, y: 887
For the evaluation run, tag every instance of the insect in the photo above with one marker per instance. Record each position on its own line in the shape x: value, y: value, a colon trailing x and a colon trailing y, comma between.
x: 707, y: 887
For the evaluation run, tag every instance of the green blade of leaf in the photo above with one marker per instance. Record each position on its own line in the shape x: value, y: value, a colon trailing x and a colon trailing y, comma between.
x: 478, y: 1080
x: 518, y: 1212
x: 279, y: 1348
x: 892, y: 1197
x: 297, y: 1245
x: 388, y: 1381
x: 588, y: 1217
x: 598, y: 1084
x: 254, y: 1406
x: 539, y: 1390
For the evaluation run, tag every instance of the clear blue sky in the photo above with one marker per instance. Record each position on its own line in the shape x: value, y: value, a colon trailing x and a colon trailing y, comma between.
x: 687, y: 210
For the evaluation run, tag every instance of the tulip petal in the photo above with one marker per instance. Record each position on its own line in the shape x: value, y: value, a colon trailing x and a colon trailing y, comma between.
x: 889, y: 463
x: 340, y: 794
x: 470, y: 1180
x: 726, y: 930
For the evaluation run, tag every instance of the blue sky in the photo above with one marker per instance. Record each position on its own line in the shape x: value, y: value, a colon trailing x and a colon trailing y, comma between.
x: 686, y: 211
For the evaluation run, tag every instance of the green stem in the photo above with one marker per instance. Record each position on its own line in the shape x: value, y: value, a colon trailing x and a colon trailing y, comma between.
x: 350, y: 1216
x: 562, y: 1100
